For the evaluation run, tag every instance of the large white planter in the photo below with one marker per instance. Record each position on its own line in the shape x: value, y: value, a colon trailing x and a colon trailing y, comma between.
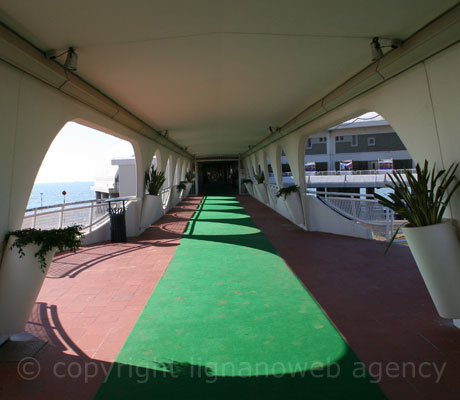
x: 436, y: 250
x: 176, y: 196
x: 188, y: 187
x: 262, y: 192
x: 249, y: 188
x: 152, y: 210
x: 294, y: 206
x: 20, y: 282
x: 273, y: 200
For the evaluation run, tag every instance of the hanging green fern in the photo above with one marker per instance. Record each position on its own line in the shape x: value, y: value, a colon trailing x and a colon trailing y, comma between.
x: 66, y: 238
x: 260, y: 177
x: 284, y: 191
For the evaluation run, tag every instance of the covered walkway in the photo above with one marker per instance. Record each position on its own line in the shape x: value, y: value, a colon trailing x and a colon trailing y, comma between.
x: 227, y: 303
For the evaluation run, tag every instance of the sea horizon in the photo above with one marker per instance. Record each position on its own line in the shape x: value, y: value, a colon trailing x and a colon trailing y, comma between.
x: 50, y: 193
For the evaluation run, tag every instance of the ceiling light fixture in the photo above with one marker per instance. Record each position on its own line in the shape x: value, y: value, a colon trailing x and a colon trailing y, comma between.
x: 70, y: 61
x: 376, y: 46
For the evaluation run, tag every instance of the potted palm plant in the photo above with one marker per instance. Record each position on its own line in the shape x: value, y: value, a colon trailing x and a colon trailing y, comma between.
x: 291, y: 195
x: 433, y: 241
x: 189, y: 177
x: 260, y: 187
x: 25, y: 262
x: 152, y: 206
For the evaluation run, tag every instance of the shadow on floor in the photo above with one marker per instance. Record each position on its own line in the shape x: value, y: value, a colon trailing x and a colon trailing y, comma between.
x: 60, y: 367
x: 344, y: 378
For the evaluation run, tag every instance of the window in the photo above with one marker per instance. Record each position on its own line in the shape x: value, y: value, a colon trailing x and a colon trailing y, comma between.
x: 323, y: 139
x: 354, y: 140
x: 371, y: 141
x: 339, y: 139
x: 309, y: 146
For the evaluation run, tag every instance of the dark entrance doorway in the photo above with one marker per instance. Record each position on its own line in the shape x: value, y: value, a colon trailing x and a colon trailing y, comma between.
x: 215, y: 174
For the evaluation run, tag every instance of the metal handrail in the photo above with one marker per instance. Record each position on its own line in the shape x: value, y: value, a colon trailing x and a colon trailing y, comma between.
x: 66, y: 204
x: 361, y: 172
x: 357, y: 201
x: 61, y: 209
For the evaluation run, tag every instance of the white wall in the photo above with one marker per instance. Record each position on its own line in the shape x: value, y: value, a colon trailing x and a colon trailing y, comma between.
x: 422, y: 105
x: 31, y: 115
x: 127, y: 180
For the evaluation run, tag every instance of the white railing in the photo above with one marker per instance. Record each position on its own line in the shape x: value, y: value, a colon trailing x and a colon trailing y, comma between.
x: 361, y: 172
x: 165, y: 196
x: 363, y: 209
x: 86, y: 213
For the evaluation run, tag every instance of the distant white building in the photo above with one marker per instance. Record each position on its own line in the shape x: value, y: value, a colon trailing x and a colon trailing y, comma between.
x: 120, y: 182
x: 363, y: 143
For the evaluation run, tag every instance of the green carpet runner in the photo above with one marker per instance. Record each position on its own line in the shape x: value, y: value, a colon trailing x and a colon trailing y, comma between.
x: 229, y: 320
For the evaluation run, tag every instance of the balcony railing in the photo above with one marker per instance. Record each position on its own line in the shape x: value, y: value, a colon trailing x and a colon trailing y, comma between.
x: 89, y: 214
x: 86, y: 213
x: 360, y: 172
x: 363, y: 209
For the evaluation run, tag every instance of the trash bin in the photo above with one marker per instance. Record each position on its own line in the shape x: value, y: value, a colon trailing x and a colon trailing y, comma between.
x: 117, y: 220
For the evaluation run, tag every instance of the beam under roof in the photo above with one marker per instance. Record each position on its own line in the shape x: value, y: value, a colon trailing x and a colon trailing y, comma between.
x: 21, y: 54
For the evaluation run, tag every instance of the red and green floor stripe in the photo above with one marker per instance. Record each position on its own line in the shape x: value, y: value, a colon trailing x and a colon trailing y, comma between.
x: 230, y: 320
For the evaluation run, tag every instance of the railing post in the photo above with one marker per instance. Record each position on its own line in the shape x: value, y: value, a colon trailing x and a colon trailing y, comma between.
x: 34, y: 223
x: 91, y: 216
x: 387, y: 225
x: 353, y: 207
x: 61, y: 217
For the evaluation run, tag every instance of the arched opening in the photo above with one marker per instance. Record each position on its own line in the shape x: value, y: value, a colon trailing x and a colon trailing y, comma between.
x: 271, y: 176
x: 82, y: 167
x: 177, y: 172
x: 260, y: 170
x: 156, y: 160
x: 348, y: 163
x: 287, y: 178
x: 168, y: 181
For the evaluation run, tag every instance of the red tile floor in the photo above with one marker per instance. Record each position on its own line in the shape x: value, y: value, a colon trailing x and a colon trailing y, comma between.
x: 91, y: 300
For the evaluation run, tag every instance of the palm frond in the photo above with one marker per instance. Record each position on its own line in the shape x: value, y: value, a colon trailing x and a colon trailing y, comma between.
x: 421, y: 199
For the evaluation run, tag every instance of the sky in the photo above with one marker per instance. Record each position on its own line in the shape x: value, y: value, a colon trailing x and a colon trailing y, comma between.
x: 79, y: 153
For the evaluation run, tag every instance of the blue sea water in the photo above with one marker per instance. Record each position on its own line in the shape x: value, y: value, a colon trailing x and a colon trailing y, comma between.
x: 51, y: 193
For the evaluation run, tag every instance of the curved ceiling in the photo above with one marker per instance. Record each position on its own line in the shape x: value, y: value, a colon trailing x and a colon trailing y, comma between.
x: 216, y: 74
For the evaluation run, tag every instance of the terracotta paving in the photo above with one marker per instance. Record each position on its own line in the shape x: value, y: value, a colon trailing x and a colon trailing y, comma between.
x: 379, y: 304
x: 90, y: 301
x: 86, y: 308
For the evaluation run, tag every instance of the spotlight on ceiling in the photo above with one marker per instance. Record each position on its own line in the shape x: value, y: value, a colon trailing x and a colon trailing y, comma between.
x: 378, y: 44
x: 376, y: 49
x: 71, y: 60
